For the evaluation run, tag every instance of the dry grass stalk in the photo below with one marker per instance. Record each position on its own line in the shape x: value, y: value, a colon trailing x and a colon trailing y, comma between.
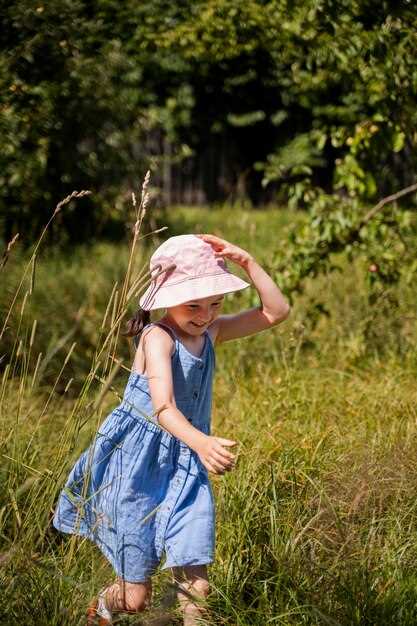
x: 6, y: 253
x: 126, y: 287
x: 71, y: 196
x: 141, y: 211
x: 106, y: 386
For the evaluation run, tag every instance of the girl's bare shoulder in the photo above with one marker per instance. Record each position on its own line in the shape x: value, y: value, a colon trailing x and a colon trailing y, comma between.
x: 153, y: 340
x: 158, y: 338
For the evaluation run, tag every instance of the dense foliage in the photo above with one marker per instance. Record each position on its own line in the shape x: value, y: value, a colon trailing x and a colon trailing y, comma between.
x: 301, y: 95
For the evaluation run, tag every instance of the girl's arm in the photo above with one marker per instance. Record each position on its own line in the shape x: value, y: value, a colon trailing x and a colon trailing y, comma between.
x: 157, y: 346
x: 274, y: 308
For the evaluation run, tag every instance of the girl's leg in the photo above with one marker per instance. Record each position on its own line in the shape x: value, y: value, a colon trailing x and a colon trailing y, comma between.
x: 193, y: 588
x: 128, y: 597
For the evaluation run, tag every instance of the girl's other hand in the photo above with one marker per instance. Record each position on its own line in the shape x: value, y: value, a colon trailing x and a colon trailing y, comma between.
x: 225, y: 249
x: 214, y: 456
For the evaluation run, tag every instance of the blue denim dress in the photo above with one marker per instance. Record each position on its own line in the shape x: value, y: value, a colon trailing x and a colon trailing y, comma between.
x: 138, y: 491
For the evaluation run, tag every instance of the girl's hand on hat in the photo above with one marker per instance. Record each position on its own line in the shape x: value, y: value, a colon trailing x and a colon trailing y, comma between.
x: 214, y: 456
x: 227, y: 250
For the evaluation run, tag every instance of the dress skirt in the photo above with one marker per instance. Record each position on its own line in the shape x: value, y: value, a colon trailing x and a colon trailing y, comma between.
x: 140, y: 493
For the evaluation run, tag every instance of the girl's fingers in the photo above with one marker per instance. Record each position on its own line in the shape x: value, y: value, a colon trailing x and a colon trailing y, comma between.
x: 214, y: 241
x: 209, y: 466
x: 225, y: 461
x: 209, y: 237
x: 224, y: 453
x: 216, y: 472
x: 219, y: 463
x: 218, y: 459
x: 226, y: 442
x: 217, y: 469
x: 216, y: 464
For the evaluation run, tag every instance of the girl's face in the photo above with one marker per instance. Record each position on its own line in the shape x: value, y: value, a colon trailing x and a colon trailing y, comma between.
x: 195, y: 316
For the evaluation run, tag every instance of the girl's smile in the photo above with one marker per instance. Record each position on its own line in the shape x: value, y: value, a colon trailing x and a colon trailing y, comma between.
x: 195, y: 316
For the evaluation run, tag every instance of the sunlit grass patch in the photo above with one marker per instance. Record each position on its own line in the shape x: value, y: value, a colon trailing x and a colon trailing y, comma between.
x: 316, y: 525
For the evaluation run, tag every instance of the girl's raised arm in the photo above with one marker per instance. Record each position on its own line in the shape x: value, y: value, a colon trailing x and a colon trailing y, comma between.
x: 274, y: 308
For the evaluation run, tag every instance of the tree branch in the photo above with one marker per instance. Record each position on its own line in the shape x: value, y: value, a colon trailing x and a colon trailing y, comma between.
x: 387, y: 200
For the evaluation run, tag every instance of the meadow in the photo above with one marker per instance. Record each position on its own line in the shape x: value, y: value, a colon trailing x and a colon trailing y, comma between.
x: 317, y: 525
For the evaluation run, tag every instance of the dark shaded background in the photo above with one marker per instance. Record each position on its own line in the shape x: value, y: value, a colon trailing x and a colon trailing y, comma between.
x: 225, y: 100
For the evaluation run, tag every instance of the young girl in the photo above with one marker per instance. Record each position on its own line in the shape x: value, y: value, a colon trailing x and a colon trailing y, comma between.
x: 142, y: 488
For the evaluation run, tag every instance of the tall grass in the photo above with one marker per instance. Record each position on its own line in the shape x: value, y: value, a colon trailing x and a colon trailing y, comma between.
x: 317, y: 523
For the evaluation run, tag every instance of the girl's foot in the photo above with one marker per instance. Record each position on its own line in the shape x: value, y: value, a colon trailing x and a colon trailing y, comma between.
x: 97, y: 613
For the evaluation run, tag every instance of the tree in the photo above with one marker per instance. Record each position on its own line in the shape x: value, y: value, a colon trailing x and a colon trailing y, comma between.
x: 308, y: 97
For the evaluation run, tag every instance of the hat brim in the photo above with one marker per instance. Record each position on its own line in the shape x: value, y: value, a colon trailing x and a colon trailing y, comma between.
x: 168, y: 295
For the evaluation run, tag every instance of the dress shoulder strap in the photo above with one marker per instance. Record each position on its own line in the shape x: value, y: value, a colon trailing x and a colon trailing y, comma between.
x: 169, y: 330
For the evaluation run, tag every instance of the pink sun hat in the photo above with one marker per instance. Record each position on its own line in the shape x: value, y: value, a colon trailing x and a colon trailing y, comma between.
x: 185, y: 269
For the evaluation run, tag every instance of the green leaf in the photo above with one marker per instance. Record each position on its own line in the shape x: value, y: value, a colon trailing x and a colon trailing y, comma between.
x: 398, y: 141
x: 246, y: 119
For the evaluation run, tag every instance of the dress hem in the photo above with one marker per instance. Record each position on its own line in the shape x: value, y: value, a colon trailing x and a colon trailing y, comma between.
x: 80, y: 533
x: 201, y: 560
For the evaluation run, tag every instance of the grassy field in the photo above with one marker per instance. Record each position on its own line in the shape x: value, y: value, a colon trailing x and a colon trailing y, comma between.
x: 317, y: 524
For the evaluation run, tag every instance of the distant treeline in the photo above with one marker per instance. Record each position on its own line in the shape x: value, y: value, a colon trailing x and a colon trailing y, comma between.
x: 225, y: 100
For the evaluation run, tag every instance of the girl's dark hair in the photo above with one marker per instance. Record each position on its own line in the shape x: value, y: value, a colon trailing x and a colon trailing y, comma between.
x: 137, y: 323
